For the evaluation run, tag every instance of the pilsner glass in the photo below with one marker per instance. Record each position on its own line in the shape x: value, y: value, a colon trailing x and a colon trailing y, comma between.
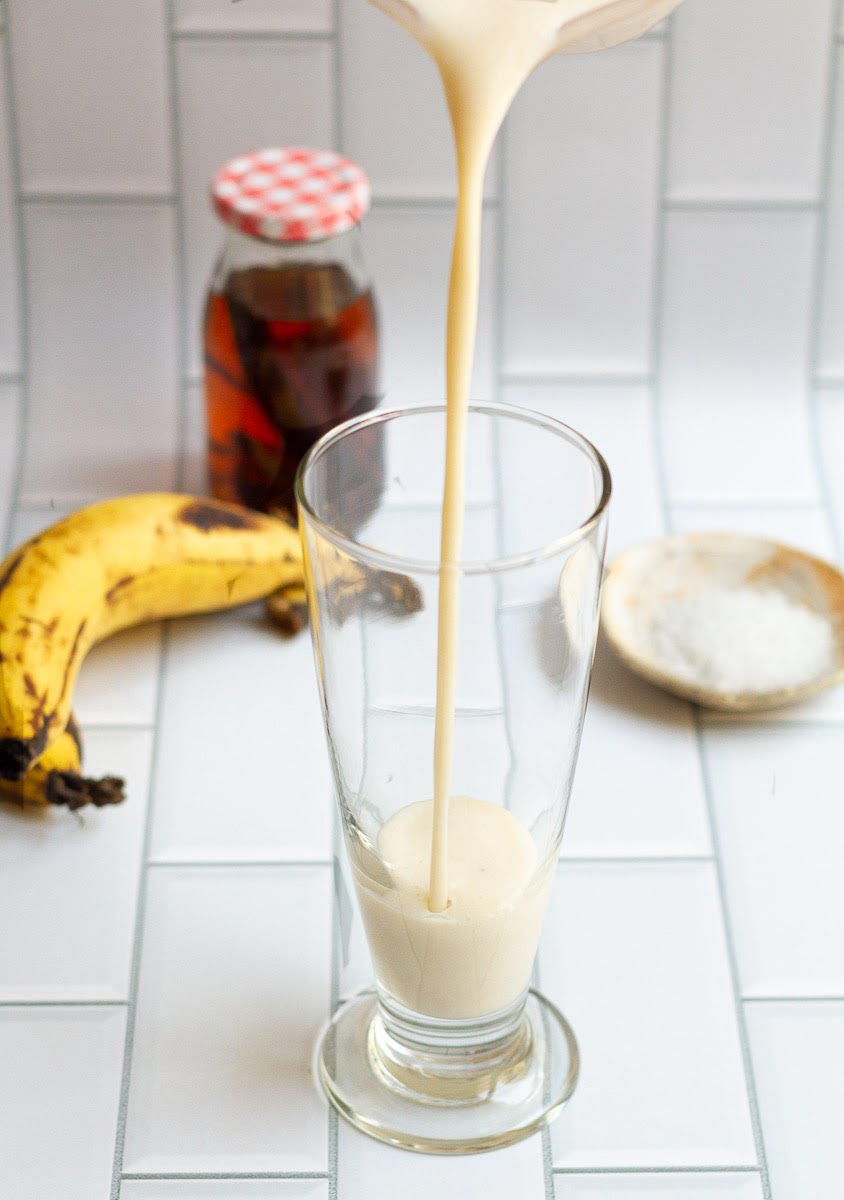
x: 451, y: 1051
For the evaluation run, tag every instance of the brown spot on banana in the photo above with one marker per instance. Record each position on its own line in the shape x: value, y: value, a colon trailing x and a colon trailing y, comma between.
x: 10, y: 570
x: 114, y: 593
x: 206, y: 516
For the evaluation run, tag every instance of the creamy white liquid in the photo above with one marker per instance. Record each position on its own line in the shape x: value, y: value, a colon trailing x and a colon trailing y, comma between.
x: 476, y: 956
x: 485, y: 50
x: 454, y: 931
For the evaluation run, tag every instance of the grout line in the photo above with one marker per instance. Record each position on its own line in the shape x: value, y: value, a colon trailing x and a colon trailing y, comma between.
x: 73, y: 1003
x: 838, y: 999
x: 213, y: 1175
x: 22, y: 377
x: 753, y: 1101
x: 293, y: 36
x: 118, y: 726
x: 181, y: 290
x: 575, y: 860
x: 206, y: 863
x: 423, y: 710
x: 753, y: 505
x: 338, y: 75
x: 819, y: 279
x: 11, y: 378
x: 96, y: 198
x: 762, y: 720
x: 574, y: 379
x: 138, y: 934
x: 707, y: 1169
x: 426, y: 203
x: 830, y: 383
x: 741, y: 205
x: 658, y: 316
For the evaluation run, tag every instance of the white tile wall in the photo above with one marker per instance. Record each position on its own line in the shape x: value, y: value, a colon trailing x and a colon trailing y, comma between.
x: 235, y: 987
x: 10, y: 419
x: 748, y: 99
x: 394, y: 117
x: 792, y: 1044
x: 578, y: 261
x: 702, y: 219
x: 59, y: 1088
x: 103, y: 382
x: 260, y: 16
x: 408, y: 251
x: 734, y: 353
x: 92, y: 95
x: 831, y: 342
x: 9, y: 316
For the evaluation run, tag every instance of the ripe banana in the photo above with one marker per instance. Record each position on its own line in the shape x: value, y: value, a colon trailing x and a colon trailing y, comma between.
x: 56, y: 778
x: 118, y: 563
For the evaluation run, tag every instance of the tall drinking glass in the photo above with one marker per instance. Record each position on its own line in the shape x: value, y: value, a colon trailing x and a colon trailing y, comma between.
x: 451, y: 1051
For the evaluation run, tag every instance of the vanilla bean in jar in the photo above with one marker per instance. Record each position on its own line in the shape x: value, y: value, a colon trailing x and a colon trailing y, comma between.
x: 291, y: 326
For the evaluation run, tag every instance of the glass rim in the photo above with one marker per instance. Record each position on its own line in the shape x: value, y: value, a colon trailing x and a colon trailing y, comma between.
x: 402, y: 564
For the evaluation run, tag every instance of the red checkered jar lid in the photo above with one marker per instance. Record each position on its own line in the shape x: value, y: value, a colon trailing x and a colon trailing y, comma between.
x: 292, y: 194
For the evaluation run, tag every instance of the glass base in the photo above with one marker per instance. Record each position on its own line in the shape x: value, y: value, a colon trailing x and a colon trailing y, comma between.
x: 447, y: 1103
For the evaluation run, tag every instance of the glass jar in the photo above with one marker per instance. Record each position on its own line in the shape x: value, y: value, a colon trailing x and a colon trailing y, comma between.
x: 291, y: 326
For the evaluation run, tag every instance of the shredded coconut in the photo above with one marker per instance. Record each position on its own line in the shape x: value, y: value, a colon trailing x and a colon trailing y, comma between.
x: 740, y: 639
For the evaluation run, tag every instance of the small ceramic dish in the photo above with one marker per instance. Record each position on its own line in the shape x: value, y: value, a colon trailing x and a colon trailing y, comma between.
x: 640, y: 579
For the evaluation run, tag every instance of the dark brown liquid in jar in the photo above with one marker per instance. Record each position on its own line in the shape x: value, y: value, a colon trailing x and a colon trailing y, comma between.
x: 290, y: 351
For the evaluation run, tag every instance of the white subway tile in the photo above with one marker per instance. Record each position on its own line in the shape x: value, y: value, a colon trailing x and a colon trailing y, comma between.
x: 59, y: 1089
x: 831, y: 334
x: 366, y: 1169
x: 621, y: 806
x: 242, y: 769
x: 735, y: 349
x: 635, y: 956
x: 830, y: 412
x: 580, y: 213
x: 224, y: 1189
x: 92, y: 95
x: 195, y: 462
x: 262, y: 16
x: 748, y: 99
x: 618, y: 421
x: 797, y: 1054
x: 9, y: 317
x: 10, y: 424
x: 409, y: 250
x: 415, y: 462
x: 235, y: 96
x: 780, y: 827
x: 401, y: 652
x: 118, y: 682
x: 72, y: 885
x: 806, y: 527
x: 234, y: 987
x: 715, y: 1185
x: 394, y: 116
x: 103, y: 411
